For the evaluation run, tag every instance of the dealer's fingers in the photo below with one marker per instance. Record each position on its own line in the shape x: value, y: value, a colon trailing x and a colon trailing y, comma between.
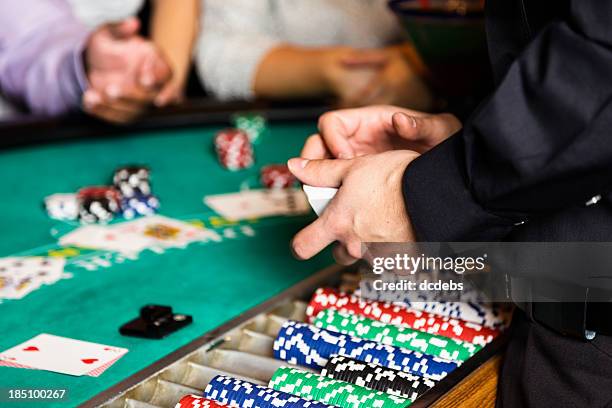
x: 315, y: 149
x: 335, y: 133
x: 424, y: 127
x: 320, y: 173
x: 342, y: 256
x: 312, y: 239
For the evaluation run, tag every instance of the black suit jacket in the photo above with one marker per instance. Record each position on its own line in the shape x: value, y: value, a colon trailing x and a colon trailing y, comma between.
x: 540, y: 146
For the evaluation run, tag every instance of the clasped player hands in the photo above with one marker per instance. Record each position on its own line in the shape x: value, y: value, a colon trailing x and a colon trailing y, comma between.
x: 126, y: 73
x: 364, y: 152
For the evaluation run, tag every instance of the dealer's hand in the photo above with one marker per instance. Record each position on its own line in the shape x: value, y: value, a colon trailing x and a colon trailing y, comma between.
x: 369, y: 207
x: 352, y: 133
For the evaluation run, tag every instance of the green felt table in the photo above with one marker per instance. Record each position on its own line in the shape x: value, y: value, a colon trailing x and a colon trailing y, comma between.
x: 214, y: 282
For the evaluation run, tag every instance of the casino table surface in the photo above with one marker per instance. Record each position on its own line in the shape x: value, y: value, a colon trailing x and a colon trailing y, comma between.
x: 213, y: 282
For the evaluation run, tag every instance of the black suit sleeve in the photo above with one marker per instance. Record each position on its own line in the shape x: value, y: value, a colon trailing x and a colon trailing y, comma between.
x: 541, y: 143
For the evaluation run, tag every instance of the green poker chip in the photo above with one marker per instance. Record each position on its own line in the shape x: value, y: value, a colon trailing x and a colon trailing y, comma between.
x: 333, y: 392
x: 253, y: 124
x: 392, y: 335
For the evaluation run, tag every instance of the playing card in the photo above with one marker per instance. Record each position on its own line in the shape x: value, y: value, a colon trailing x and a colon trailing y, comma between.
x: 62, y: 355
x: 258, y: 203
x: 21, y: 275
x: 165, y: 232
x: 107, y: 238
x: 93, y: 373
x: 319, y: 197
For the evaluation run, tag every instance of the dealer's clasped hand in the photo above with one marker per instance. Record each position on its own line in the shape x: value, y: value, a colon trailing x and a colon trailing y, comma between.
x: 349, y: 133
x: 369, y: 206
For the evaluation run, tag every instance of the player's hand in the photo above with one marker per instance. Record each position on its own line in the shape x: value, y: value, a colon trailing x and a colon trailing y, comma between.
x: 172, y: 93
x: 346, y: 80
x: 357, y: 132
x: 125, y: 72
x: 369, y: 206
x: 118, y: 105
x: 397, y: 83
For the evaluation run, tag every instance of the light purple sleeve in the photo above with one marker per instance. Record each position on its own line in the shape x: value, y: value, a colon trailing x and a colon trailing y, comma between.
x: 41, y: 47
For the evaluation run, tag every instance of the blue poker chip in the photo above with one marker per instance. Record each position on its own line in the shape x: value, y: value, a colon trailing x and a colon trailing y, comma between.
x: 309, y: 346
x: 139, y: 205
x: 233, y: 392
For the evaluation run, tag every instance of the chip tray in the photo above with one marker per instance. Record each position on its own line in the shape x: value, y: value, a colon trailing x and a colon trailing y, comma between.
x: 242, y: 349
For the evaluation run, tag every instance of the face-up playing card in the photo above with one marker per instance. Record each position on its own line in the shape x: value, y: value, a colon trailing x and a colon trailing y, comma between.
x: 62, y: 355
x: 105, y: 238
x: 165, y: 232
x: 22, y: 275
x: 258, y: 203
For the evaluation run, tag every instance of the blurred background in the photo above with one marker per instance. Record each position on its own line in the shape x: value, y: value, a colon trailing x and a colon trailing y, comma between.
x: 84, y: 61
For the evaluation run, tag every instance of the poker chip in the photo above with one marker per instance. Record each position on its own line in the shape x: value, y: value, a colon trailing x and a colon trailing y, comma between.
x: 139, y: 205
x: 277, y: 176
x: 132, y: 180
x: 194, y: 401
x: 377, y: 377
x: 331, y: 391
x: 239, y: 393
x: 254, y: 125
x: 325, y: 298
x: 130, y: 195
x: 135, y: 186
x: 309, y: 346
x: 63, y: 207
x: 405, y: 337
x: 234, y: 149
x: 98, y: 204
x: 471, y: 308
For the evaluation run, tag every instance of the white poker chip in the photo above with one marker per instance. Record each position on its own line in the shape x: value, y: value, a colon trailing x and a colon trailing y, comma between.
x: 63, y: 207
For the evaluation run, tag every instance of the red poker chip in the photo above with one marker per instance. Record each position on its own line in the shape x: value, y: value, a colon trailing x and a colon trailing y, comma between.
x: 326, y: 298
x: 194, y: 401
x: 277, y: 176
x: 97, y: 192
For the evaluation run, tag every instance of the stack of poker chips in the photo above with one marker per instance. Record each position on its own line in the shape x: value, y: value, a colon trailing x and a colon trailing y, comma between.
x: 389, y: 334
x: 332, y: 392
x: 471, y: 307
x: 277, y: 177
x: 234, y: 149
x: 238, y: 393
x: 133, y: 182
x: 377, y: 377
x: 129, y: 196
x: 325, y: 298
x: 254, y: 125
x: 98, y: 204
x: 309, y: 346
x: 193, y: 401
